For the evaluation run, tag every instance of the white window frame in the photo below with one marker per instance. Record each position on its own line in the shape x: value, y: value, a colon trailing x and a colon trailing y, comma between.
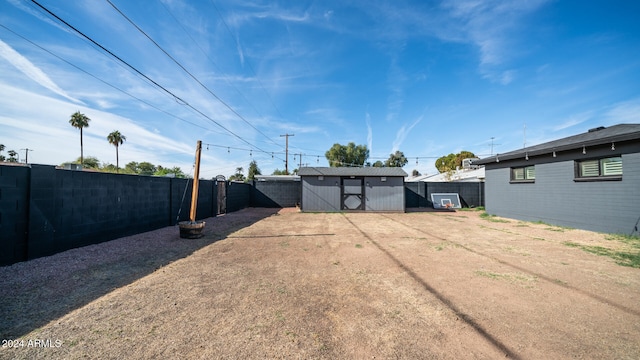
x: 605, y: 168
x: 523, y: 174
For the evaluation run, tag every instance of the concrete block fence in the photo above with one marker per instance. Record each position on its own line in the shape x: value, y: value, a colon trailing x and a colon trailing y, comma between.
x: 44, y: 210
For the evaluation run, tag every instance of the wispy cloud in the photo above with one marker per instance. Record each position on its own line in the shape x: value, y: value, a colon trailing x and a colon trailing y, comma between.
x: 369, y: 133
x: 239, y: 49
x: 396, y: 79
x: 624, y: 112
x: 31, y: 10
x: 403, y: 132
x: 492, y: 27
x: 237, y: 18
x: 55, y: 141
x: 33, y: 72
x: 574, y: 120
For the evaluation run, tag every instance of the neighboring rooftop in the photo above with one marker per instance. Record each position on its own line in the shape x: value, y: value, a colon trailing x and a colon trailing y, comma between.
x: 351, y: 171
x: 277, y: 178
x: 596, y: 136
x: 460, y: 175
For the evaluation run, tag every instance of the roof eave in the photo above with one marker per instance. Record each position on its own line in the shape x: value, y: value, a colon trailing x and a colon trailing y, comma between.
x: 518, y: 154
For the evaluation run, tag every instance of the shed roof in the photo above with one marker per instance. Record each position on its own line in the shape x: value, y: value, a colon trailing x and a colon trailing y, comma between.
x: 277, y: 178
x: 351, y: 171
x: 594, y: 137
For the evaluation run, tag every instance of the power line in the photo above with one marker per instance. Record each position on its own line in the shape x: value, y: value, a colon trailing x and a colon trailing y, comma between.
x: 143, y: 75
x: 103, y: 81
x: 184, y: 69
x: 107, y: 51
x: 229, y: 148
x: 286, y: 162
x: 220, y: 70
x: 248, y: 62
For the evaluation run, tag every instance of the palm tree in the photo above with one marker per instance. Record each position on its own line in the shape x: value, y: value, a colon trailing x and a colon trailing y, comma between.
x: 13, y: 156
x: 116, y: 139
x: 79, y: 121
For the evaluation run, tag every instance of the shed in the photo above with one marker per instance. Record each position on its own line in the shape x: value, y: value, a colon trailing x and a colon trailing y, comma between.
x: 352, y: 189
x: 588, y: 181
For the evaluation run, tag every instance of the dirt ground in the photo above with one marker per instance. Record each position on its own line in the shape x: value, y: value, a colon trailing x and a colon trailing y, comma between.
x: 268, y: 284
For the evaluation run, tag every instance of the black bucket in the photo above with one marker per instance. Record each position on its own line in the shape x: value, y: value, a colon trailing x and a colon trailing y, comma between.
x: 191, y: 230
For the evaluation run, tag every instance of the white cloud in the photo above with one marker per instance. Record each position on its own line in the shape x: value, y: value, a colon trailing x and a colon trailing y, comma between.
x: 574, y: 120
x: 402, y: 134
x: 54, y: 141
x: 491, y: 26
x: 33, y: 72
x: 624, y: 112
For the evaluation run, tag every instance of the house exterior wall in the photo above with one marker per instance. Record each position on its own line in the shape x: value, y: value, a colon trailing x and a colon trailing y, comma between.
x: 384, y: 195
x: 320, y: 195
x: 555, y: 198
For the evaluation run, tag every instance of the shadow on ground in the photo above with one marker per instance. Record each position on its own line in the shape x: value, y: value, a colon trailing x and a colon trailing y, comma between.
x: 38, y: 291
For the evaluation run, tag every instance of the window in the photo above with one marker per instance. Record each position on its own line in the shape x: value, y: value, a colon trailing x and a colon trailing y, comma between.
x: 599, y: 169
x: 525, y: 174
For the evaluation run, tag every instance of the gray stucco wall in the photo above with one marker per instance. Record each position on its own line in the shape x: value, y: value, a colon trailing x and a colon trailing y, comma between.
x: 384, y: 195
x: 555, y: 198
x: 320, y: 195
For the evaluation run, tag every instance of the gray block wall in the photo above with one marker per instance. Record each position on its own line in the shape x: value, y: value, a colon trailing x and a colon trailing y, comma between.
x: 555, y: 198
x: 14, y: 212
x: 418, y: 194
x: 276, y: 194
x: 238, y: 196
x: 180, y: 195
x: 44, y: 210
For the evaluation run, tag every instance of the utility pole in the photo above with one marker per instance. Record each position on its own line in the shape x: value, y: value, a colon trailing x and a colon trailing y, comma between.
x: 493, y: 144
x: 286, y: 157
x: 26, y: 155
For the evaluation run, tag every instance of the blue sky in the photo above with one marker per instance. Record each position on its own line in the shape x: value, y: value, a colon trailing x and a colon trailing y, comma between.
x: 424, y: 77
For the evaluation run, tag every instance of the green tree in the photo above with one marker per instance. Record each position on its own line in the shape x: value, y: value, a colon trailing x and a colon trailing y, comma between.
x: 238, y: 176
x: 378, y: 164
x: 452, y: 161
x: 279, y: 172
x: 349, y: 155
x: 90, y: 162
x: 116, y: 139
x: 13, y: 156
x: 132, y: 168
x: 79, y: 121
x: 2, y: 147
x: 162, y: 171
x: 396, y: 159
x: 109, y: 168
x: 146, y: 168
x: 253, y: 170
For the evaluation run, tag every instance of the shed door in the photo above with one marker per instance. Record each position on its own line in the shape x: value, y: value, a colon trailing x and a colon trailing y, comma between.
x: 352, y: 198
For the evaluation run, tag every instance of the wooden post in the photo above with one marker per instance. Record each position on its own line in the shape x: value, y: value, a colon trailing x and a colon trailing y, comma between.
x: 196, y: 178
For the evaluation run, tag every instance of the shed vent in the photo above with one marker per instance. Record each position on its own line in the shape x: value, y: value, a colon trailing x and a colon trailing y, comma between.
x: 597, y: 129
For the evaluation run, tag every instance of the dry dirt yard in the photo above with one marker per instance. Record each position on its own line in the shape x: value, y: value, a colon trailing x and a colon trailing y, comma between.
x: 267, y: 284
